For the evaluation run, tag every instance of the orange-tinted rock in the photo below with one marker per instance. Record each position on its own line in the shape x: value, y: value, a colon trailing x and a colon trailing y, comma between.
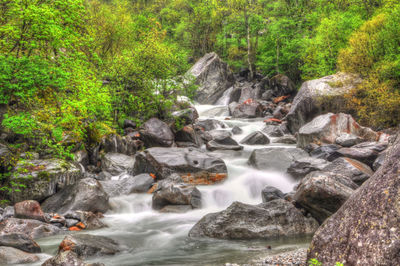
x: 29, y: 209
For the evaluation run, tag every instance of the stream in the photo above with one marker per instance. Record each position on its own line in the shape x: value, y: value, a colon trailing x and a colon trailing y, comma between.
x: 154, y: 238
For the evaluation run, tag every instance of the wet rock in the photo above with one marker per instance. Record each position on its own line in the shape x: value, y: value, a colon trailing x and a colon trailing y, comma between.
x: 323, y: 193
x: 193, y: 164
x: 355, y: 170
x: 9, y: 255
x: 214, y: 145
x: 303, y: 166
x: 367, y: 225
x: 87, y: 195
x: 276, y: 218
x: 85, y: 245
x: 273, y: 131
x: 232, y: 106
x: 156, y: 133
x: 318, y: 96
x: 188, y: 135
x: 271, y: 193
x: 329, y: 127
x: 236, y: 130
x: 47, y: 177
x: 256, y: 138
x: 324, y: 151
x: 366, y: 152
x: 348, y: 140
x: 129, y: 184
x: 282, y: 85
x: 117, y: 163
x: 33, y: 228
x: 89, y: 219
x: 287, y: 139
x: 278, y: 159
x: 248, y: 109
x: 210, y: 124
x: 213, y: 77
x: 68, y: 258
x: 19, y: 241
x: 170, y: 193
x: 29, y: 209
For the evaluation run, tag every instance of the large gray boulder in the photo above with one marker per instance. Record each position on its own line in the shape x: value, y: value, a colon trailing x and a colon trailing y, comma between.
x: 117, y: 163
x: 213, y: 77
x: 222, y: 140
x: 318, y: 96
x: 256, y: 138
x: 303, y: 166
x: 366, y: 229
x: 20, y: 241
x: 87, y: 195
x: 127, y: 185
x: 85, y: 245
x: 273, y: 158
x: 10, y: 255
x: 33, y: 228
x: 156, y: 133
x: 276, y: 218
x: 44, y: 178
x: 193, y: 165
x: 322, y: 193
x: 327, y: 128
x: 248, y: 109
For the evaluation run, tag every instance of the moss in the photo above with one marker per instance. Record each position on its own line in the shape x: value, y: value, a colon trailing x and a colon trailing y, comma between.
x: 44, y: 175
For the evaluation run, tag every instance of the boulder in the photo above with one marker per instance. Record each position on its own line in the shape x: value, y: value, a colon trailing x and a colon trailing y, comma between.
x: 89, y: 219
x: 318, y: 96
x: 87, y: 195
x: 353, y: 169
x: 287, y: 139
x: 210, y: 124
x: 323, y: 151
x: 366, y: 229
x: 29, y: 209
x: 85, y: 245
x: 236, y: 130
x: 170, y: 193
x: 328, y: 127
x: 68, y: 258
x: 19, y: 241
x: 281, y: 85
x: 194, y: 165
x: 221, y: 140
x: 379, y: 161
x: 303, y: 166
x: 366, y: 152
x: 156, y: 133
x: 271, y: 193
x: 273, y: 158
x: 276, y: 218
x: 213, y: 77
x: 129, y: 184
x: 248, y: 109
x: 116, y: 144
x: 188, y: 135
x: 322, y: 193
x: 176, y: 209
x: 9, y: 255
x: 256, y: 138
x: 348, y: 140
x: 46, y: 177
x: 117, y: 163
x: 273, y: 131
x: 33, y: 228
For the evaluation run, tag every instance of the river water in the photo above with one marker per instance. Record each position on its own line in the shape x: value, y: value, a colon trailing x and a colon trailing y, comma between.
x: 154, y: 238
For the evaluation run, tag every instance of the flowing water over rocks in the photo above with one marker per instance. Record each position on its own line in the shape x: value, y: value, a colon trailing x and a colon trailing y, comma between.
x: 155, y: 238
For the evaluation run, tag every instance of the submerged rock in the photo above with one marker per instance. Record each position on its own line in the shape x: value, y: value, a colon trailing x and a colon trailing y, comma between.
x: 276, y: 218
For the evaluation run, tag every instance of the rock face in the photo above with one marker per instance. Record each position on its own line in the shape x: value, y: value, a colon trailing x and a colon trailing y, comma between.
x: 193, y: 165
x: 85, y: 245
x: 29, y: 209
x: 156, y: 133
x: 170, y: 193
x: 329, y: 127
x: 129, y: 184
x: 315, y: 95
x: 33, y: 228
x: 213, y: 77
x: 322, y: 193
x: 9, y: 255
x: 275, y: 158
x: 87, y: 195
x: 19, y: 241
x: 365, y: 230
x: 277, y: 218
x: 256, y: 138
x: 48, y: 177
x: 117, y: 163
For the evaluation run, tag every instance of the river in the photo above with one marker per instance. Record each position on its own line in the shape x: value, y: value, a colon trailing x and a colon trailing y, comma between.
x: 154, y: 238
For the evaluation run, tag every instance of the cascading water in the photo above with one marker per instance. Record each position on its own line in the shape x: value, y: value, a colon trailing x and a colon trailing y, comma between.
x: 154, y: 238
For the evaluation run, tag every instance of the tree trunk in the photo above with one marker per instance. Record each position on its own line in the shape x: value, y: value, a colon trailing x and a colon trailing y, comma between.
x: 249, y: 61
